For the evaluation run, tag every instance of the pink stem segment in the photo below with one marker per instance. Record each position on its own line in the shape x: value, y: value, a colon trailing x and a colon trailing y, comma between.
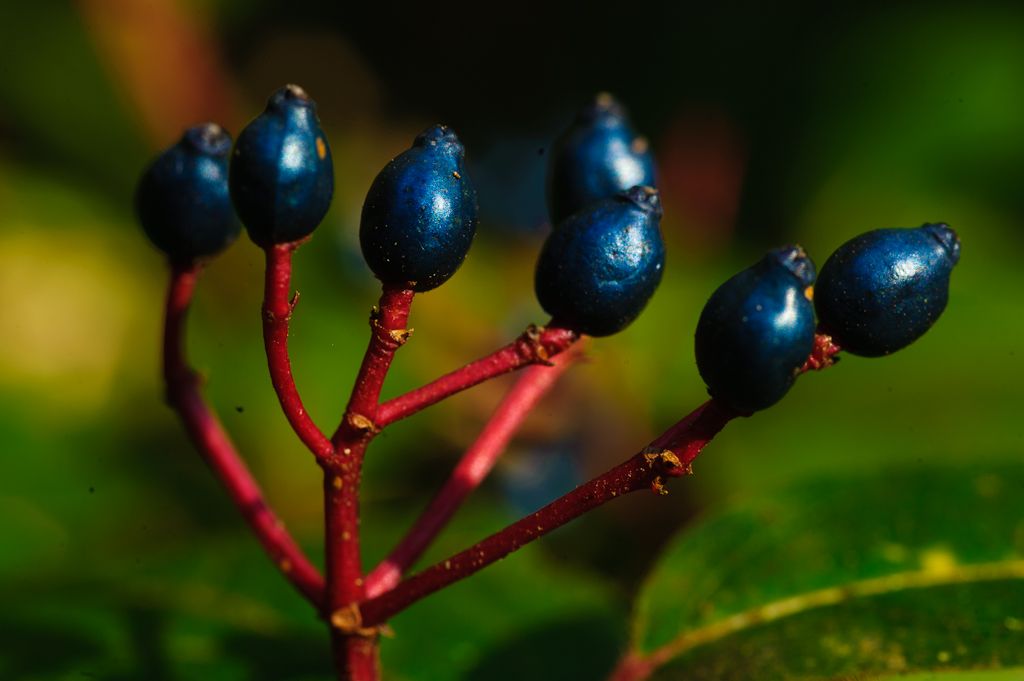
x: 668, y: 456
x: 216, y: 448
x: 471, y: 470
x: 277, y: 311
x: 534, y: 346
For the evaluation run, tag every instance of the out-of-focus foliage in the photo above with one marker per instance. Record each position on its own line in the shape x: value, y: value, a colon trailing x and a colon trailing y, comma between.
x: 774, y: 124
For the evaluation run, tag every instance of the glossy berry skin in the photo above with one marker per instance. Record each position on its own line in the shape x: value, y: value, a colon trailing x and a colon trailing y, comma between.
x: 880, y: 291
x: 599, y: 268
x: 282, y: 179
x: 182, y: 198
x: 757, y: 330
x: 598, y: 156
x: 420, y: 214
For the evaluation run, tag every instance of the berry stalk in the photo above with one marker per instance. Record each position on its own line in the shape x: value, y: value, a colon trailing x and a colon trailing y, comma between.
x: 215, y: 446
x: 388, y: 332
x: 534, y: 346
x: 277, y: 311
x: 471, y: 469
x: 669, y: 456
x: 823, y: 355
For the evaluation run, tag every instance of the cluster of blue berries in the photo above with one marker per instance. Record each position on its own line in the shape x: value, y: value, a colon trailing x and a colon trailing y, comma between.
x: 604, y: 257
x: 877, y: 294
x: 600, y: 264
x: 279, y: 181
x: 597, y: 271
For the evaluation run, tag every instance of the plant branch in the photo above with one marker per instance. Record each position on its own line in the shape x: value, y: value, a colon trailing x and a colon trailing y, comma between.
x: 669, y: 456
x: 206, y: 432
x: 471, y: 470
x: 388, y: 332
x: 537, y: 345
x: 355, y: 646
x: 277, y: 311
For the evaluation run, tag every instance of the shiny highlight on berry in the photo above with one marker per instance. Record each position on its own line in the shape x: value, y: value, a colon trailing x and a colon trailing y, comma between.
x: 600, y: 266
x: 282, y: 179
x: 598, y: 156
x: 882, y: 290
x: 757, y: 330
x: 420, y: 215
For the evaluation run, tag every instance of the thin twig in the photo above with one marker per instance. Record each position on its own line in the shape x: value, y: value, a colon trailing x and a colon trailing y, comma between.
x: 668, y: 456
x: 534, y: 346
x: 216, y: 448
x: 471, y: 470
x: 277, y: 311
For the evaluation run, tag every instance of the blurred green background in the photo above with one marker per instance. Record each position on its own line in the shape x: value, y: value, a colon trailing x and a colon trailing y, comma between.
x: 771, y: 123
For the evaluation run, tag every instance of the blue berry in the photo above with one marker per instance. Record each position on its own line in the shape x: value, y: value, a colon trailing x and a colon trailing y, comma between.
x: 281, y: 174
x: 182, y: 199
x: 880, y: 291
x: 599, y: 268
x: 598, y: 156
x: 420, y: 214
x: 757, y: 330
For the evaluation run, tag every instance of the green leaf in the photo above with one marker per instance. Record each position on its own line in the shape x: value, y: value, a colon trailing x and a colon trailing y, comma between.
x: 521, y: 619
x: 981, y: 675
x: 918, y: 570
x: 211, y: 606
x: 213, y: 610
x: 525, y: 617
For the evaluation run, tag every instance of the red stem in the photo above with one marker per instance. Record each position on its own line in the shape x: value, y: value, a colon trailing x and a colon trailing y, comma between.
x: 688, y: 436
x: 216, y: 448
x: 633, y: 667
x: 356, y: 656
x: 471, y: 470
x: 534, y: 346
x: 823, y: 355
x: 277, y: 311
x: 355, y: 646
x: 669, y: 456
x: 388, y: 332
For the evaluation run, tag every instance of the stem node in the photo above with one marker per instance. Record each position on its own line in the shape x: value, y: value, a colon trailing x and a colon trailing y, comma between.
x: 349, y: 621
x: 361, y: 424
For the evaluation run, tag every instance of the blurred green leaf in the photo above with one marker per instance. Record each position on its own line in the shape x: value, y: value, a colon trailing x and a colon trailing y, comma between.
x: 526, y: 617
x: 977, y: 675
x: 212, y: 607
x: 915, y: 570
x: 521, y: 619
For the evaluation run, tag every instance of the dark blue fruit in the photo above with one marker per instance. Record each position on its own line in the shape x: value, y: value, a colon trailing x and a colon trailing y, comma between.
x: 420, y: 214
x: 182, y: 199
x: 599, y: 268
x: 757, y: 330
x: 281, y: 174
x: 880, y: 291
x: 598, y: 156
